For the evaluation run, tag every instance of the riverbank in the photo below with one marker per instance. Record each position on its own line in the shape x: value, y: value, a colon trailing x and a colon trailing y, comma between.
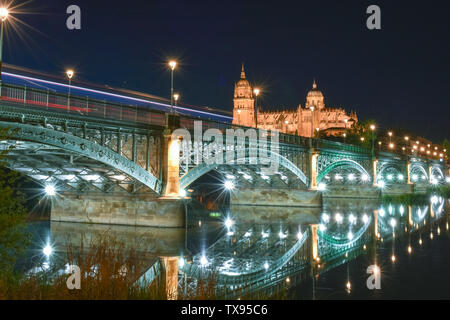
x: 418, y: 198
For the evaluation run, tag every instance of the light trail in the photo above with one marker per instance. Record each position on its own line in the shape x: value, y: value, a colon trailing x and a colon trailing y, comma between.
x: 113, y: 95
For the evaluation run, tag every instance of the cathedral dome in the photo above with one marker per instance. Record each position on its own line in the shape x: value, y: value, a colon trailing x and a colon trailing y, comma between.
x: 315, y: 97
x: 315, y: 93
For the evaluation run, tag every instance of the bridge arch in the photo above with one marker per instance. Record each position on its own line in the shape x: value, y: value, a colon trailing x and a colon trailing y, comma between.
x: 195, y: 173
x: 390, y: 169
x: 83, y: 147
x: 342, y: 163
x: 416, y: 170
x: 436, y: 171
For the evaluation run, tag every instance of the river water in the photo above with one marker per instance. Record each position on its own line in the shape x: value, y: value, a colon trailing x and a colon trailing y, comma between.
x: 270, y: 251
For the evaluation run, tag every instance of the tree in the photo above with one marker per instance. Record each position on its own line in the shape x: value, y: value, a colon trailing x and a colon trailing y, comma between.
x: 361, y: 130
x: 13, y: 236
x: 446, y: 146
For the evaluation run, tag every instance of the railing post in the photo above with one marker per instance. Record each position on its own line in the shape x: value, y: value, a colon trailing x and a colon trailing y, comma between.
x: 46, y: 104
x: 147, y: 159
x: 119, y: 142
x: 102, y: 136
x: 104, y: 108
x: 134, y: 148
x: 87, y: 105
x: 25, y: 95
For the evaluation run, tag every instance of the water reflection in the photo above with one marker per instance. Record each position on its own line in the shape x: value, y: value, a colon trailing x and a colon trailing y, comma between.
x: 250, y: 249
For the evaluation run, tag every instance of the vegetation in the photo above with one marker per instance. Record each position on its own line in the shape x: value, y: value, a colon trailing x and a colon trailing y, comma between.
x: 13, y: 237
x: 418, y: 198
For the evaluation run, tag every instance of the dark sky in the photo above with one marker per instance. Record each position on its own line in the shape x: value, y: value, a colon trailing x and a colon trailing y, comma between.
x: 398, y: 75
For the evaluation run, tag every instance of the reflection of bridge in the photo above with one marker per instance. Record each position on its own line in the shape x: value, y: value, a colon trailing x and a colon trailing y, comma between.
x: 246, y: 260
x: 92, y: 150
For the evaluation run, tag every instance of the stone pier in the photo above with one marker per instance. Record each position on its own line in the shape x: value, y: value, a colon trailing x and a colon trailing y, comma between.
x: 276, y: 197
x: 360, y: 192
x: 143, y: 209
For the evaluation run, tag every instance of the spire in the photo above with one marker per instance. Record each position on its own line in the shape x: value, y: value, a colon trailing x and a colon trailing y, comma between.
x: 242, y: 72
x: 314, y: 84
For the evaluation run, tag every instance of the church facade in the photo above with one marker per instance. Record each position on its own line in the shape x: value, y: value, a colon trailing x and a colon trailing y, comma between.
x: 314, y: 118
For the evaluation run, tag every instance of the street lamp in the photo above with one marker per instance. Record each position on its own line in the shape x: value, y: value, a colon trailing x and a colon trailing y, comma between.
x: 239, y: 116
x: 390, y: 137
x: 372, y: 128
x: 256, y: 91
x: 69, y: 74
x: 172, y: 65
x: 4, y: 12
x: 176, y: 96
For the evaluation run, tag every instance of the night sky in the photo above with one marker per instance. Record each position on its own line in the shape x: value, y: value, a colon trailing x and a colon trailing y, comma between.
x: 398, y: 75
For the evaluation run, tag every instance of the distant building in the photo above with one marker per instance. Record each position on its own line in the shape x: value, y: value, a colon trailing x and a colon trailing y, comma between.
x: 302, y: 121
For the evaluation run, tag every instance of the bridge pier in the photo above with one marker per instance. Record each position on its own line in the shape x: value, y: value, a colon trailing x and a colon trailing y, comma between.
x: 408, y: 172
x: 170, y: 276
x: 430, y: 173
x: 374, y: 172
x: 143, y: 209
x: 171, y: 166
x: 313, y: 170
x: 276, y: 197
x: 314, y: 244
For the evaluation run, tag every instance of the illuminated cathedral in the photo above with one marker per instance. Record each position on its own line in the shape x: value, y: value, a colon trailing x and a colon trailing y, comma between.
x: 314, y: 118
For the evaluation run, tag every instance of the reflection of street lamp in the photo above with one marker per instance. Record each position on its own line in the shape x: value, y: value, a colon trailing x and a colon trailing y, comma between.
x: 372, y: 128
x: 3, y: 16
x: 256, y: 91
x: 69, y: 74
x: 172, y: 65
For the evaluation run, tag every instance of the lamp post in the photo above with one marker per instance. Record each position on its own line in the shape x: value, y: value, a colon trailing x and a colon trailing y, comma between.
x: 172, y: 65
x: 69, y: 74
x: 239, y: 116
x: 312, y: 126
x: 372, y: 129
x: 3, y: 16
x: 256, y: 91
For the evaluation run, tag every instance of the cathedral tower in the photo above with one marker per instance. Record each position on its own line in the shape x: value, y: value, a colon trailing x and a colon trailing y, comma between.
x: 244, y: 104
